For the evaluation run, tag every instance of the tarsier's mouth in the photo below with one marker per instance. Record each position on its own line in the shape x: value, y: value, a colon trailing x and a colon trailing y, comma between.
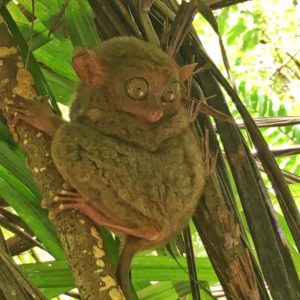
x: 149, y: 116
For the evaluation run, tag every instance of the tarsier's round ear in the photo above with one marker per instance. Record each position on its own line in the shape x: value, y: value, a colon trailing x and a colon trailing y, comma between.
x: 88, y: 66
x: 186, y: 71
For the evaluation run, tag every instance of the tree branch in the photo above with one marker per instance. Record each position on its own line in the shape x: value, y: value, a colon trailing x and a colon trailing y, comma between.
x: 217, y: 4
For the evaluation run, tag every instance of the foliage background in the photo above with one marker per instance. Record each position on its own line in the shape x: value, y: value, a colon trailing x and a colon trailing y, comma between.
x: 262, y: 43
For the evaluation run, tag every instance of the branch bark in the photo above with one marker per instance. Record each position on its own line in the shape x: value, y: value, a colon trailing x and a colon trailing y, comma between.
x: 11, y: 278
x: 224, y: 244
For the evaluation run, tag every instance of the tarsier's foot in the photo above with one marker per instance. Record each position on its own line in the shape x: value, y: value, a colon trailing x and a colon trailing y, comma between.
x: 37, y: 114
x: 70, y: 199
x: 65, y: 199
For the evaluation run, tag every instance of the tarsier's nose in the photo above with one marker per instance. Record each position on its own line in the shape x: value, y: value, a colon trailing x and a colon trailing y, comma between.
x: 147, y: 115
x: 154, y: 116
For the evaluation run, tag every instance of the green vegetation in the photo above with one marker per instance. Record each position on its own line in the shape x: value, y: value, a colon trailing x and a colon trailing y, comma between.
x: 262, y: 45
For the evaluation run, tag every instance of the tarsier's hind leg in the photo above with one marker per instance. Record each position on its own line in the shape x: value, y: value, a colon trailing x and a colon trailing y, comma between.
x: 131, y: 246
x: 68, y: 198
x: 100, y: 219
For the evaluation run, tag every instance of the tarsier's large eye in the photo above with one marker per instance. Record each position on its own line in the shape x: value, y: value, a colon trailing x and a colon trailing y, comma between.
x: 171, y: 92
x: 136, y: 88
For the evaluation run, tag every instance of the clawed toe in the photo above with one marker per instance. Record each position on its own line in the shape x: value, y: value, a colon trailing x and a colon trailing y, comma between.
x: 13, y: 115
x: 65, y: 200
x: 57, y: 209
x: 68, y: 194
x: 66, y: 186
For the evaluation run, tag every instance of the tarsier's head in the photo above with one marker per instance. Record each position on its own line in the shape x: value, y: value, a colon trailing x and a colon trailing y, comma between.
x: 137, y: 77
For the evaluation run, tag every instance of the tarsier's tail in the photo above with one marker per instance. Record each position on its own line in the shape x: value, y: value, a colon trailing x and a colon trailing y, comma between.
x: 131, y: 246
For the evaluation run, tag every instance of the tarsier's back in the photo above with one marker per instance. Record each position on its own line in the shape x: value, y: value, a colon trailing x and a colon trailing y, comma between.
x: 129, y: 149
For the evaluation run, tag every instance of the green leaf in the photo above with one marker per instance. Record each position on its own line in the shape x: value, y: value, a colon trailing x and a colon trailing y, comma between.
x: 242, y: 89
x: 263, y: 105
x: 164, y: 268
x: 6, y: 136
x: 10, y: 160
x: 77, y: 19
x: 255, y: 99
x: 23, y: 201
x: 81, y: 26
x: 111, y: 246
x: 238, y: 61
x: 63, y: 89
x: 36, y: 35
x: 57, y: 56
x: 164, y: 290
x: 236, y: 31
x: 207, y: 13
x: 144, y: 268
x: 250, y: 39
x: 206, y: 292
x: 281, y: 111
x: 296, y: 133
x: 16, y: 13
x: 271, y: 112
x: 222, y: 20
x: 51, y: 274
x: 45, y: 10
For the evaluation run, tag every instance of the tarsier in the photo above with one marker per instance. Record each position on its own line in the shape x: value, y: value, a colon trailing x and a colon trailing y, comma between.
x: 129, y: 149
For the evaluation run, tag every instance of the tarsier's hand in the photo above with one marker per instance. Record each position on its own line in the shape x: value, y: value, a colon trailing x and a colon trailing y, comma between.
x: 37, y: 114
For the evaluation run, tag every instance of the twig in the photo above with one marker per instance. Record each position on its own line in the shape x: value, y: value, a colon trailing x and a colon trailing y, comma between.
x: 283, y: 151
x: 272, y: 122
x: 146, y: 5
x: 217, y: 4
